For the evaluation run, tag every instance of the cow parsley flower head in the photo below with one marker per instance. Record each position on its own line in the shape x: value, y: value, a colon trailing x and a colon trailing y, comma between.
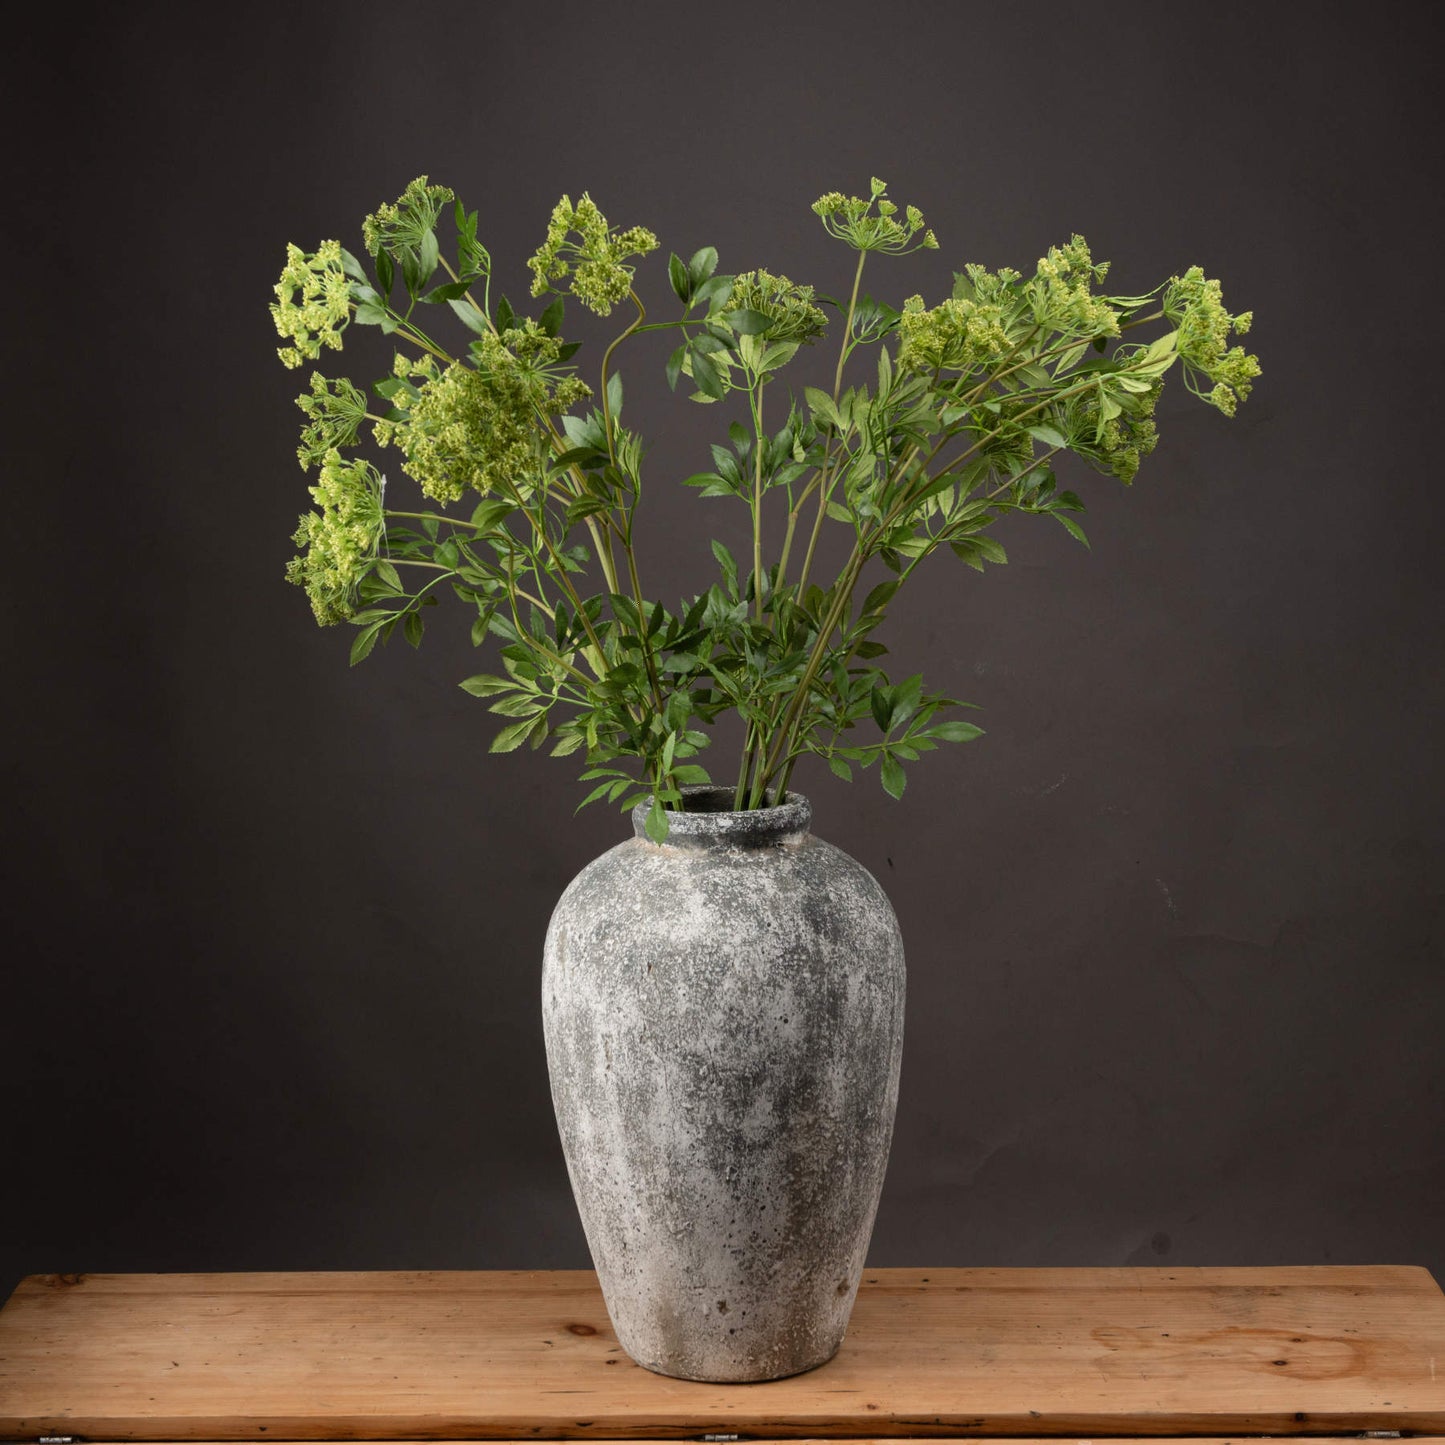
x: 1130, y: 437
x: 340, y: 539
x: 1195, y: 305
x: 853, y: 221
x: 959, y: 334
x: 313, y: 302
x: 1061, y: 292
x: 335, y: 411
x: 402, y: 227
x: 475, y: 427
x: 789, y: 308
x: 594, y: 259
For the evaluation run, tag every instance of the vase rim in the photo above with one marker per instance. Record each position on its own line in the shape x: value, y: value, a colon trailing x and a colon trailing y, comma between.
x: 710, y: 821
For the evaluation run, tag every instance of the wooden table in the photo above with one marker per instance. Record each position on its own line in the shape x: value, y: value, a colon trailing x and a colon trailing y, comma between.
x: 1022, y: 1353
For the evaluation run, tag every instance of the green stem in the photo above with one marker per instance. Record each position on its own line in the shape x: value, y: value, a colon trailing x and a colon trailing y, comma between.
x: 598, y: 660
x: 756, y: 398
x: 847, y: 580
x: 740, y: 791
x: 825, y: 491
x: 606, y: 358
x: 431, y: 517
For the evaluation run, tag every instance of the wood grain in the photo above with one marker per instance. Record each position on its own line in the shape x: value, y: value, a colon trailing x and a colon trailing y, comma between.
x: 519, y: 1355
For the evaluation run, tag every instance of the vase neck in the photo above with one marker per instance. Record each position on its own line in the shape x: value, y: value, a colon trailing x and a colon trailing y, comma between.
x: 707, y: 820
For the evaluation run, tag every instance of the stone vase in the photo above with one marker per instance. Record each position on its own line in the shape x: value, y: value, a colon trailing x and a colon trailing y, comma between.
x: 724, y: 1023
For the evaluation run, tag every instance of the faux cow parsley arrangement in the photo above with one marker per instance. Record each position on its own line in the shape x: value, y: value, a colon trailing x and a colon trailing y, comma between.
x: 940, y: 420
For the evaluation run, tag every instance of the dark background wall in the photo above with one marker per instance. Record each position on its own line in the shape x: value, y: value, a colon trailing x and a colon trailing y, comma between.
x: 1173, y: 925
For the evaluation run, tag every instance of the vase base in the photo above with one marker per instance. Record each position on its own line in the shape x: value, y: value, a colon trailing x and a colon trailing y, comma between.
x: 734, y: 1374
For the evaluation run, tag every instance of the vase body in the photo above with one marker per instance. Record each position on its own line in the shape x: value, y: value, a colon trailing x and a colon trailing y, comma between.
x: 724, y: 1023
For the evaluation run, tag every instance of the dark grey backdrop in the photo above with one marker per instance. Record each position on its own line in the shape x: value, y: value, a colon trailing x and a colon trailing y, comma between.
x: 1172, y: 926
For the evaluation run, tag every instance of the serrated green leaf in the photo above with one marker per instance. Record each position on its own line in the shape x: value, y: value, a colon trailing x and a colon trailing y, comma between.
x: 469, y: 316
x: 1049, y: 435
x: 702, y: 265
x: 677, y: 273
x: 706, y: 375
x: 955, y: 732
x: 656, y: 824
x: 593, y: 796
x: 363, y: 643
x: 729, y: 567
x: 713, y: 292
x: 746, y: 322
x: 484, y: 685
x: 1071, y: 526
x: 823, y: 408
x: 841, y: 769
x: 429, y: 254
x: 878, y: 598
x: 880, y: 703
x: 893, y: 777
x: 511, y: 738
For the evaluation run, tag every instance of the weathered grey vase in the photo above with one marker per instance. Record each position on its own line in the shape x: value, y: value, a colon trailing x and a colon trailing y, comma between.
x: 724, y: 1024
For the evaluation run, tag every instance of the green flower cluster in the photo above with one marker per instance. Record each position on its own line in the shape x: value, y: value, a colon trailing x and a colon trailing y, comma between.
x: 1061, y: 292
x: 1129, y: 437
x: 340, y: 539
x: 599, y: 278
x: 335, y: 411
x: 1196, y: 306
x: 978, y: 283
x: 959, y: 334
x: 402, y: 228
x: 476, y: 427
x: 313, y: 302
x: 849, y: 219
x: 789, y: 308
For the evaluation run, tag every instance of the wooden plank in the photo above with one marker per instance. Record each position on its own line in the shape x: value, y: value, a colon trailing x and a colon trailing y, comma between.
x: 519, y: 1355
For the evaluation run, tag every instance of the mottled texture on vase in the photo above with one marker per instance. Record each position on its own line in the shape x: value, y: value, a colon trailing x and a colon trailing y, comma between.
x: 724, y: 1022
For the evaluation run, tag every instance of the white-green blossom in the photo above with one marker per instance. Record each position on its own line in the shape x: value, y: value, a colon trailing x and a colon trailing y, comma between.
x: 958, y: 334
x: 789, y: 308
x: 313, y: 302
x: 594, y: 259
x: 476, y: 427
x: 1196, y: 306
x: 340, y: 538
x: 335, y: 410
x: 402, y: 228
x: 855, y: 222
x: 1061, y: 292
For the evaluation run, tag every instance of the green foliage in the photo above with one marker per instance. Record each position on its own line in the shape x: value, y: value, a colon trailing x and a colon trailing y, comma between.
x: 959, y: 418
